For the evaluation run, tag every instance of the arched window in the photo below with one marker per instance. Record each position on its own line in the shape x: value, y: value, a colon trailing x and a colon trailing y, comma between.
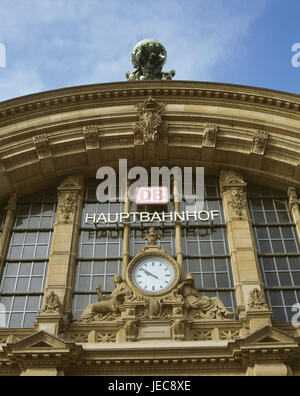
x: 278, y: 249
x: 25, y: 266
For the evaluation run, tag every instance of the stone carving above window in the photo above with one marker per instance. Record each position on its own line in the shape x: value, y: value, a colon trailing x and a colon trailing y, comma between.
x: 259, y: 142
x: 41, y: 143
x: 210, y: 135
x: 256, y: 300
x: 91, y: 135
x: 69, y: 193
x: 69, y: 204
x: 238, y: 202
x: 233, y: 187
x: 150, y: 126
x: 231, y: 178
x: 53, y: 304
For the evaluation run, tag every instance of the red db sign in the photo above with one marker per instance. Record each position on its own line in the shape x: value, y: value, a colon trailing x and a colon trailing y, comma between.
x: 151, y: 195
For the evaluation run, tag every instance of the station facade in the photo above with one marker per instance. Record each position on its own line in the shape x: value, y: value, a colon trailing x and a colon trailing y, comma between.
x: 77, y: 295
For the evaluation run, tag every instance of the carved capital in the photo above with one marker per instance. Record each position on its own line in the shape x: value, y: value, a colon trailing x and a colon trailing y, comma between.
x: 150, y: 126
x: 233, y: 187
x: 91, y: 135
x: 259, y: 142
x: 231, y: 179
x: 42, y: 147
x: 210, y: 135
x: 69, y: 193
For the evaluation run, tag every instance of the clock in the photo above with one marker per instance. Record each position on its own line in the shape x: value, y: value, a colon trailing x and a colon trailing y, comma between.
x: 153, y: 274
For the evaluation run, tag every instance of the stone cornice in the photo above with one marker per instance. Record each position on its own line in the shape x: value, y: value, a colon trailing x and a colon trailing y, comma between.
x: 120, y: 92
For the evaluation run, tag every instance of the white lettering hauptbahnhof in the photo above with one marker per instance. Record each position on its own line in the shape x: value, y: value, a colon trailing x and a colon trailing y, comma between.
x: 146, y: 217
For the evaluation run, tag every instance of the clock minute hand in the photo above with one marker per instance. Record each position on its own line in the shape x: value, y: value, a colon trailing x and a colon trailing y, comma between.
x: 149, y: 273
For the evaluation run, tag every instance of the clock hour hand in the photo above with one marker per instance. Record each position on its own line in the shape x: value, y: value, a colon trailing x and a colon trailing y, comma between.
x: 149, y: 273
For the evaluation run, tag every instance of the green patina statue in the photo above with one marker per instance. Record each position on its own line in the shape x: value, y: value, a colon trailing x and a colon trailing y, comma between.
x: 148, y: 58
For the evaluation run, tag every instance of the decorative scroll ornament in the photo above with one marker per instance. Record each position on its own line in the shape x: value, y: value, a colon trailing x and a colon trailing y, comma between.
x: 69, y: 204
x: 42, y: 146
x: 259, y: 142
x: 148, y: 58
x: 237, y: 202
x: 256, y: 300
x: 91, y: 136
x: 53, y: 304
x: 210, y: 135
x: 150, y: 127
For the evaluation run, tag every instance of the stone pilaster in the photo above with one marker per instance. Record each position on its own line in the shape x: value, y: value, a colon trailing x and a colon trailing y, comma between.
x: 178, y: 231
x: 57, y: 305
x: 7, y: 227
x: 294, y: 208
x: 244, y: 258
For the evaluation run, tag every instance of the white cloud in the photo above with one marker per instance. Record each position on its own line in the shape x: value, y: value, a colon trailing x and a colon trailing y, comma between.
x: 71, y: 42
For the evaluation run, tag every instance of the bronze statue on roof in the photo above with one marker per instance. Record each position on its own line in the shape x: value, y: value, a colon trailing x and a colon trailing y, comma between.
x: 148, y: 58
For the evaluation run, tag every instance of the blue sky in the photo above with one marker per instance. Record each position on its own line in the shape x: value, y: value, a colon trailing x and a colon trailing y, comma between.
x: 53, y: 44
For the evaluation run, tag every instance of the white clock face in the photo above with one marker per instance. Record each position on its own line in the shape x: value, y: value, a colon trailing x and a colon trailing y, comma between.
x: 153, y: 274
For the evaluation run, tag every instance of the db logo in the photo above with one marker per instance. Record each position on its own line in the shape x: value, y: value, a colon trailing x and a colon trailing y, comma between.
x: 151, y: 195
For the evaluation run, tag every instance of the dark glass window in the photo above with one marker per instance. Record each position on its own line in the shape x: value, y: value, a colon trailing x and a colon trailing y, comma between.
x: 278, y: 249
x: 206, y: 250
x: 99, y: 252
x: 26, y: 263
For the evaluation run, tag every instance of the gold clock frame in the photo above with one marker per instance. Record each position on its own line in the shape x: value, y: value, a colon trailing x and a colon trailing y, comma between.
x: 152, y: 252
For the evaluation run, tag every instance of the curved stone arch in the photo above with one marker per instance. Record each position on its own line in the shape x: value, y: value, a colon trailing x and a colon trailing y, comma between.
x: 46, y: 136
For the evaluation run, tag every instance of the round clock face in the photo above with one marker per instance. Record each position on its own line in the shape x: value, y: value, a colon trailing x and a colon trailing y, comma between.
x: 153, y: 274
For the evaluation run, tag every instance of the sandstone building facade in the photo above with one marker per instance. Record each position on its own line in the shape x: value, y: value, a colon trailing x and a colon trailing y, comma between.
x: 52, y: 260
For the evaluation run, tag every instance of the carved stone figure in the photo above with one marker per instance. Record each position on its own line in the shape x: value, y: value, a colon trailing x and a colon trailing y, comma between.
x: 150, y: 127
x: 130, y: 330
x: 177, y: 329
x: 106, y: 308
x: 257, y: 300
x: 53, y: 304
x: 198, y: 306
x: 148, y: 58
x: 293, y: 198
